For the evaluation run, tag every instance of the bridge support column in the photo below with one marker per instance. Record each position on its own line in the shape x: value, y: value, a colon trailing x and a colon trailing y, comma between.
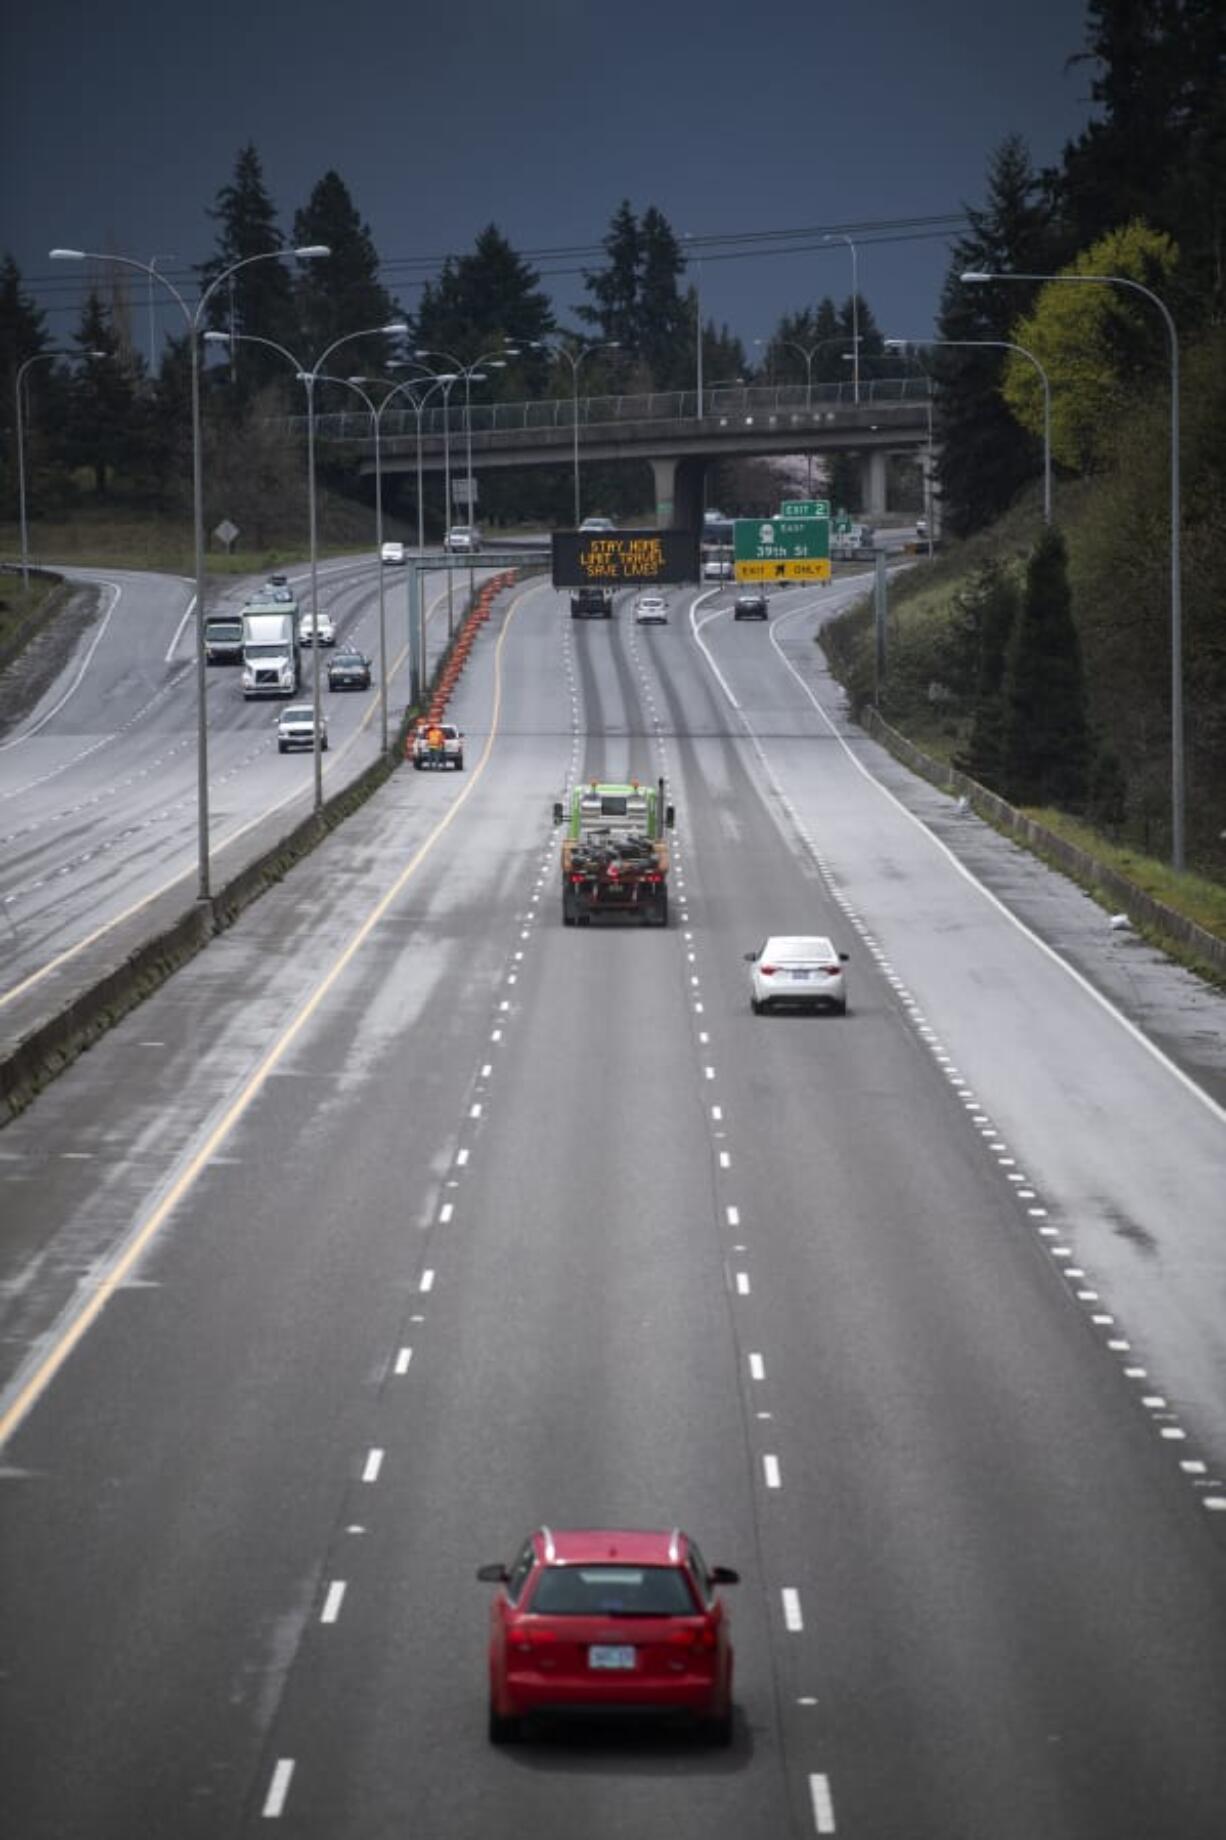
x: 872, y: 482
x: 664, y: 472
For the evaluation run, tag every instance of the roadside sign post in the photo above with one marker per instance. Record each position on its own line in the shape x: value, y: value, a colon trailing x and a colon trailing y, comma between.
x: 783, y: 548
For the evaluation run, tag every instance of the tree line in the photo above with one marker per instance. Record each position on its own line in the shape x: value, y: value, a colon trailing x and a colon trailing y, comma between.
x: 111, y: 419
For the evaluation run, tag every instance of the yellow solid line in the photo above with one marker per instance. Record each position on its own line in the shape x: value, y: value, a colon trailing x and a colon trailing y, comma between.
x: 55, y: 1357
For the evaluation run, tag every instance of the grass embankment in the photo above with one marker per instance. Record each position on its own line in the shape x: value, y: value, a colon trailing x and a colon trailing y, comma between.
x: 926, y: 637
x: 165, y: 545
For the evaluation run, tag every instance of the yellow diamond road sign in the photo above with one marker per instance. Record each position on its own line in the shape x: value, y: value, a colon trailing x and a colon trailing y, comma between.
x: 795, y: 568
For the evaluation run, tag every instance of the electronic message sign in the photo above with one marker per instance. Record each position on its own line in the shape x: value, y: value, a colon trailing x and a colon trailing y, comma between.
x: 623, y: 558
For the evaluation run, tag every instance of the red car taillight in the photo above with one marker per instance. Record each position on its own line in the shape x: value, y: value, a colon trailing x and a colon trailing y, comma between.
x: 767, y: 970
x: 698, y: 1641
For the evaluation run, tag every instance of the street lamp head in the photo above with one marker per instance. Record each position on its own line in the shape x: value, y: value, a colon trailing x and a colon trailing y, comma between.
x: 976, y: 274
x: 217, y: 338
x: 67, y: 255
x: 397, y: 329
x: 310, y: 251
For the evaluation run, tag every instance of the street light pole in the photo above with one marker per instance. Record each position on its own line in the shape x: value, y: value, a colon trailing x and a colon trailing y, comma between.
x: 308, y: 252
x: 575, y: 360
x: 840, y: 237
x: 1177, y: 741
x: 308, y: 379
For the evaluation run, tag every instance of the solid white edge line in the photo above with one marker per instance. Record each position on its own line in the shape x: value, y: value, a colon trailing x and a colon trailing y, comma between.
x: 117, y: 590
x: 823, y: 1804
x: 278, y: 1788
x: 1104, y: 1003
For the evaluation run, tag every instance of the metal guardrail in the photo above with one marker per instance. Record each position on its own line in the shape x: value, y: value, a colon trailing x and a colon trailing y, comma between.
x: 719, y: 405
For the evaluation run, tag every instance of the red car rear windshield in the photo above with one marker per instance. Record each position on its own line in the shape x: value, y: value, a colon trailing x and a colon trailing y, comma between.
x: 613, y: 1590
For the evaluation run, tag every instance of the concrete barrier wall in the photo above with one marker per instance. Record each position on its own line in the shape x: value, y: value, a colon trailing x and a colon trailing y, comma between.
x: 1157, y: 919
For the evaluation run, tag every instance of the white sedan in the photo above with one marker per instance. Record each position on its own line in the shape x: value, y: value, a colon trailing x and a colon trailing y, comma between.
x: 462, y: 537
x: 392, y: 555
x: 313, y: 626
x: 717, y: 568
x: 651, y: 610
x: 296, y: 728
x: 800, y: 969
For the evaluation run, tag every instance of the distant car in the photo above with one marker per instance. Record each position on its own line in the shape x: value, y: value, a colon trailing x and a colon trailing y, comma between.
x: 349, y: 671
x: 598, y: 524
x: 279, y: 594
x: 277, y: 581
x: 609, y: 1620
x: 316, y: 625
x: 804, y: 969
x: 651, y: 610
x: 462, y: 537
x: 392, y: 555
x: 296, y: 728
x: 751, y: 605
x: 921, y: 527
x: 717, y: 568
x: 591, y: 604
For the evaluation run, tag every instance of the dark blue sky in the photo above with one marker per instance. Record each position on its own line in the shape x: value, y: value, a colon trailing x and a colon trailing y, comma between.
x: 120, y: 124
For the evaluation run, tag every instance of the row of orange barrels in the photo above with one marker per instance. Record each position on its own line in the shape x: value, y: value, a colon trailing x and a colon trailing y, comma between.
x: 457, y: 657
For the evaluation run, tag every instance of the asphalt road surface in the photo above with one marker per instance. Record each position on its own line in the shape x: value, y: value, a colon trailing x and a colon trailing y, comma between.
x: 404, y: 1218
x: 98, y: 780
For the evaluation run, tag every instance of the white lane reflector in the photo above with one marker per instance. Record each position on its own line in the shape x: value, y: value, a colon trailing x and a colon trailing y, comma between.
x: 742, y: 1283
x: 461, y: 1158
x: 374, y: 1463
x: 487, y: 1070
x: 403, y: 1359
x: 427, y: 1281
x: 734, y: 1216
x: 717, y: 1112
x: 445, y: 1212
x: 770, y: 1469
x: 791, y: 1610
x: 709, y: 1073
x: 333, y: 1601
x: 475, y: 1110
x: 823, y: 1805
x: 278, y: 1788
x: 757, y: 1367
x: 725, y: 1161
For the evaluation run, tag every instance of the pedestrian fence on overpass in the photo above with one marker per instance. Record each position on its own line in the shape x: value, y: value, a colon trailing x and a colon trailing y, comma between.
x: 722, y: 406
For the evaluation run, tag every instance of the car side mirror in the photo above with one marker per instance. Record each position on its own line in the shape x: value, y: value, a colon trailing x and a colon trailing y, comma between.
x: 843, y: 958
x: 724, y: 1574
x: 557, y: 813
x: 750, y: 957
x: 492, y: 1574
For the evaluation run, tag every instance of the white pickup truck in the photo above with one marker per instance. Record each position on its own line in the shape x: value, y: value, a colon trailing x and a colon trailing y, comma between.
x: 449, y: 754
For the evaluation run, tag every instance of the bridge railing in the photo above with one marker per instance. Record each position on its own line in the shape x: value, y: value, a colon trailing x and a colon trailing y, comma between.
x: 720, y: 406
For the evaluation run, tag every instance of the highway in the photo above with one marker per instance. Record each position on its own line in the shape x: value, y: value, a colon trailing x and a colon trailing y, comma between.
x: 404, y: 1218
x: 98, y: 781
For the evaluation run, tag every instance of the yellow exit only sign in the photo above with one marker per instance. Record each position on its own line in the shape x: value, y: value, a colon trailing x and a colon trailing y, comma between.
x: 795, y: 568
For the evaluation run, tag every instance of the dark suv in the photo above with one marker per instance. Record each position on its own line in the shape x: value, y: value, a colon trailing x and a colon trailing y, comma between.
x: 591, y: 604
x: 750, y: 606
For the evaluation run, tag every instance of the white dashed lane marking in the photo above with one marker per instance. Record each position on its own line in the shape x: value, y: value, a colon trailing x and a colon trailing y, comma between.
x: 278, y: 1788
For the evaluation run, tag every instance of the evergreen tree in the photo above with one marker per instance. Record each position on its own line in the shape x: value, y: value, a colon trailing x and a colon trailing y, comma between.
x: 859, y: 315
x: 482, y: 301
x: 341, y: 294
x: 615, y: 289
x: 102, y: 401
x: 985, y: 458
x: 257, y: 300
x: 992, y: 604
x: 1045, y: 738
x: 1158, y: 149
x: 666, y: 323
x: 21, y: 336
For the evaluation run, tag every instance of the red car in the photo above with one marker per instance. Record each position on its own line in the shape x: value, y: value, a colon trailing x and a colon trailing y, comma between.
x: 608, y: 1620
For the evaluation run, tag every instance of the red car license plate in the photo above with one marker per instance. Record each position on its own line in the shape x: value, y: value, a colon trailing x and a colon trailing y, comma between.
x: 603, y: 1657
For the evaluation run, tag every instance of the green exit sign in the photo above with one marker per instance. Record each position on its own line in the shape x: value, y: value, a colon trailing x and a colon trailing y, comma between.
x: 805, y: 508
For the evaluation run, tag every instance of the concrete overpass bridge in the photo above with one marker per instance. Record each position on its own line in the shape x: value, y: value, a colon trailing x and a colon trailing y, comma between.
x: 678, y: 437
